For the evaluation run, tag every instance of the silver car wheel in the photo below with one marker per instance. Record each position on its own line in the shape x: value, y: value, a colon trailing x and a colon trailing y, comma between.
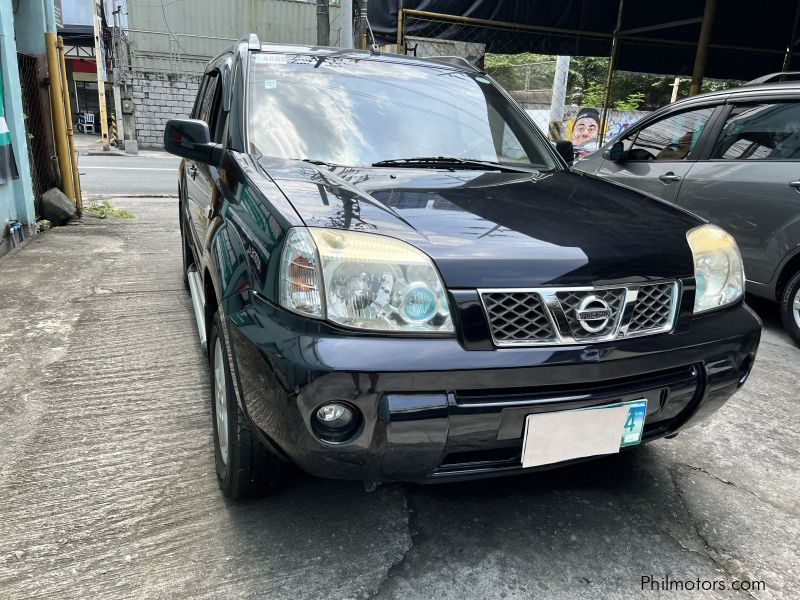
x: 221, y: 401
x: 796, y: 308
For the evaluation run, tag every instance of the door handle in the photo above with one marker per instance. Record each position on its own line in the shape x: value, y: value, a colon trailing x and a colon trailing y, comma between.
x: 670, y: 177
x: 192, y: 171
x: 795, y: 184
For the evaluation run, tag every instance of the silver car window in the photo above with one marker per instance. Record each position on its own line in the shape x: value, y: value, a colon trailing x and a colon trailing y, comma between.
x: 673, y: 138
x: 760, y: 132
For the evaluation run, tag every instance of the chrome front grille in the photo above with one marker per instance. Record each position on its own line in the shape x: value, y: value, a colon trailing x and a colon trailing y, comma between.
x: 557, y: 316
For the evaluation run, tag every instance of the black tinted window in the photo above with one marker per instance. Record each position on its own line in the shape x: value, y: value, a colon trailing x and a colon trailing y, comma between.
x: 216, y: 120
x: 760, y: 132
x: 673, y: 138
x: 209, y: 91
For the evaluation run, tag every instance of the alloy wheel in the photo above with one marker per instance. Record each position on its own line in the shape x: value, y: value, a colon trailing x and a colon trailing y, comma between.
x: 796, y: 308
x: 221, y: 402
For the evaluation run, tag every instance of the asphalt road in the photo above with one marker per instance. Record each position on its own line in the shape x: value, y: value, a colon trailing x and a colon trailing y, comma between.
x: 107, y: 484
x: 145, y: 174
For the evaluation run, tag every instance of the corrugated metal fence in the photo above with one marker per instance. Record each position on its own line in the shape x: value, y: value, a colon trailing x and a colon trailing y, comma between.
x: 181, y: 37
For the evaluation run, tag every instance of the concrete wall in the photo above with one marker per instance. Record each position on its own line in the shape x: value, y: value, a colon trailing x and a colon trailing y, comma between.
x: 157, y: 98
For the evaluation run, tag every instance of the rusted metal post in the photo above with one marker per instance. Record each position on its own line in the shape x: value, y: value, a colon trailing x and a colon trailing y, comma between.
x: 73, y: 155
x: 702, y: 47
x: 612, y: 63
x: 401, y: 14
x: 787, y: 58
x: 58, y: 116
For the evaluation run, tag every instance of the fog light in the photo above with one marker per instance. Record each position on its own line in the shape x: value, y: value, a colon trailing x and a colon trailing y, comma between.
x: 336, y: 422
x: 335, y: 415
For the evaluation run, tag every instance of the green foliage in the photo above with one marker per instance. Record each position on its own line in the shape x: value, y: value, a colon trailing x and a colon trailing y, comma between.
x: 586, y: 82
x: 104, y: 209
x: 632, y: 102
x: 592, y: 96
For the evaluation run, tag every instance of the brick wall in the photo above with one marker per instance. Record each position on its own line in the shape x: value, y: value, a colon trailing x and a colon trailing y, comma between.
x: 157, y: 98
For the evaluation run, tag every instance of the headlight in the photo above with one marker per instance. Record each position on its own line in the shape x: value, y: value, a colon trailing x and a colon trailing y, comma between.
x: 718, y: 269
x: 362, y: 280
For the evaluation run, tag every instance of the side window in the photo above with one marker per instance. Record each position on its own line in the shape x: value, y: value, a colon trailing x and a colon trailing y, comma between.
x: 209, y: 92
x: 673, y: 138
x: 198, y: 101
x: 217, y: 117
x: 760, y: 132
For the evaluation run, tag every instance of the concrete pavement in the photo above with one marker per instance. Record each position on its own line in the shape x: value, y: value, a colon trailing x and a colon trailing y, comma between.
x: 107, y: 484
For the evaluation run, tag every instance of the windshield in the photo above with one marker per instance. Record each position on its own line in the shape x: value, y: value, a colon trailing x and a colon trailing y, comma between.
x: 350, y: 111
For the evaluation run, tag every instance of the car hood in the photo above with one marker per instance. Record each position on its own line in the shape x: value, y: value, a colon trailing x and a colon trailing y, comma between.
x: 493, y: 229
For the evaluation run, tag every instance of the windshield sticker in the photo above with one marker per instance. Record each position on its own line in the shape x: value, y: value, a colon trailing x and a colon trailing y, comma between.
x: 270, y: 84
x: 271, y: 59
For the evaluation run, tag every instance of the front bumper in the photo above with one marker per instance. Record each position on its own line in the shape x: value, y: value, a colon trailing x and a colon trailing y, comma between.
x: 433, y: 410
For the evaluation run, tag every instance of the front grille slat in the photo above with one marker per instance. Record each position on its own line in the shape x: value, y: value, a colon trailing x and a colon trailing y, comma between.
x: 518, y: 316
x: 531, y: 317
x: 653, y: 308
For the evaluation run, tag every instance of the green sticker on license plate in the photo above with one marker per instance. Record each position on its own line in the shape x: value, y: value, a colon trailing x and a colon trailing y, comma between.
x: 634, y: 423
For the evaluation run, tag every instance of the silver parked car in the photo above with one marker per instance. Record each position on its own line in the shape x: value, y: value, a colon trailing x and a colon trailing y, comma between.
x: 732, y: 157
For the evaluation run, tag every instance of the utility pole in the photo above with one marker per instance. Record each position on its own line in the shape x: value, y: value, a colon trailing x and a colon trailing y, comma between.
x: 117, y: 76
x: 675, y: 86
x: 101, y: 67
x: 364, y: 41
x: 559, y: 98
x: 323, y: 23
x: 346, y: 18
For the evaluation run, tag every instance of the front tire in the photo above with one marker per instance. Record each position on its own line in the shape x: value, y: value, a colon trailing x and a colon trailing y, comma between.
x: 245, y: 468
x: 790, y: 308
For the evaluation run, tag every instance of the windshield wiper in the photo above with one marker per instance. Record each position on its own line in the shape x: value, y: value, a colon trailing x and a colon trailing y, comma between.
x: 447, y: 161
x: 318, y: 162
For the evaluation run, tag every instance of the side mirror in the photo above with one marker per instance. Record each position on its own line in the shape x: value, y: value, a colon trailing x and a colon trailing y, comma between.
x: 566, y: 151
x: 190, y: 138
x: 617, y: 152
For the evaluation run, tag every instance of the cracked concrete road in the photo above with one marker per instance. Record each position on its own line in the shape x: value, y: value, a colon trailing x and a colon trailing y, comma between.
x: 107, y: 485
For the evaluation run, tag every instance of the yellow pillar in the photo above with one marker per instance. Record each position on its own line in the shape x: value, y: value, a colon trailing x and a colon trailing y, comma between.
x: 76, y: 179
x: 58, y: 117
x: 101, y: 84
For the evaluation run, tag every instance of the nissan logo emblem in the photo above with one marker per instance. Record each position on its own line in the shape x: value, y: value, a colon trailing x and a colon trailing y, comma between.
x: 594, y: 314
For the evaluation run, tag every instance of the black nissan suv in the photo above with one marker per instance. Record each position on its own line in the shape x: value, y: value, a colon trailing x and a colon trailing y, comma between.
x: 396, y: 277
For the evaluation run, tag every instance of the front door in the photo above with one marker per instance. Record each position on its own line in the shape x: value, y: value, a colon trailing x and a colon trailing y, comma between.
x: 199, y: 181
x: 659, y: 155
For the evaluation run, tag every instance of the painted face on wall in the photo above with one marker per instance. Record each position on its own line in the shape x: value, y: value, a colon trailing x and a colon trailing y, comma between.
x: 584, y: 130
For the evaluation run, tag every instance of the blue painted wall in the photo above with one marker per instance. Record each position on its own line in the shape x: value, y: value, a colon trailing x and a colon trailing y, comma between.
x: 22, y: 31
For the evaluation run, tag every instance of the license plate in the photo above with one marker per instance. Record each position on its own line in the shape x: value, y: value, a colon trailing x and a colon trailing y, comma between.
x: 558, y: 436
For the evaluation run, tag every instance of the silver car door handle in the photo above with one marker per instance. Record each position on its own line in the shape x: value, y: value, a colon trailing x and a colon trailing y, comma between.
x: 795, y: 185
x: 669, y: 177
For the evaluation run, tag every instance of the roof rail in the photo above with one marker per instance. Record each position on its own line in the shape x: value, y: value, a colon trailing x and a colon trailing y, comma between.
x: 773, y: 77
x: 253, y: 43
x: 458, y: 61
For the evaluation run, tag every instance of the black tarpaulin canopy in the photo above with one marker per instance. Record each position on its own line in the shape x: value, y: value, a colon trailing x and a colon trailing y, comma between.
x: 747, y: 38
